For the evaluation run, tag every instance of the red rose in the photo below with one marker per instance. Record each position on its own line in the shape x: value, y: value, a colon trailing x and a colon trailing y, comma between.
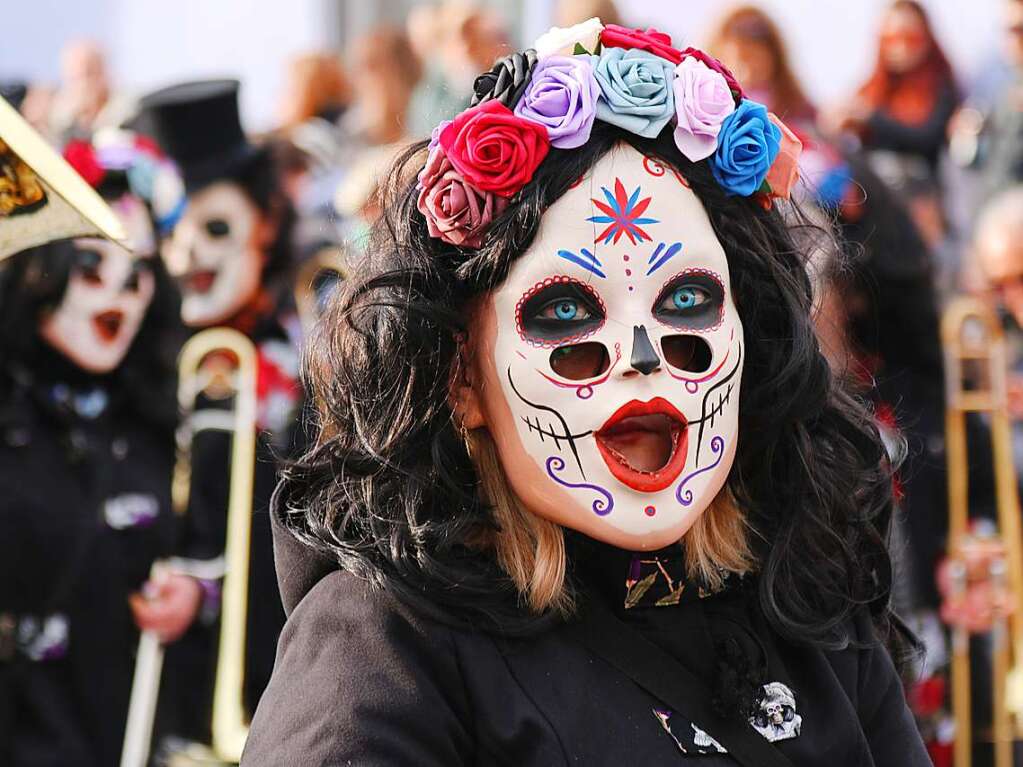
x: 717, y: 66
x: 657, y: 43
x: 494, y: 150
x: 82, y: 157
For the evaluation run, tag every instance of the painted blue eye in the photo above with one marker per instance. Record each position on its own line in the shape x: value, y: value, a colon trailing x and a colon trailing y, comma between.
x: 566, y: 310
x: 686, y: 298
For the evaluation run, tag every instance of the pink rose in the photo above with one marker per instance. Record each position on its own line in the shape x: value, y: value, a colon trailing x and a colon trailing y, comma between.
x: 784, y: 172
x: 718, y: 67
x: 702, y: 102
x: 494, y: 150
x: 455, y: 211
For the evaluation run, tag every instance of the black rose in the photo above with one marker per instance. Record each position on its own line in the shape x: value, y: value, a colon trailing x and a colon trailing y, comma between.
x: 506, y: 80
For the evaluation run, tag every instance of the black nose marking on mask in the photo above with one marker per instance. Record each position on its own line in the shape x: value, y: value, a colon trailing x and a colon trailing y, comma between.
x: 644, y: 358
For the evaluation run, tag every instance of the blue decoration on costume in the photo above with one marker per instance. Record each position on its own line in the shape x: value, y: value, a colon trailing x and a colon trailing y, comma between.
x: 585, y: 259
x: 659, y: 258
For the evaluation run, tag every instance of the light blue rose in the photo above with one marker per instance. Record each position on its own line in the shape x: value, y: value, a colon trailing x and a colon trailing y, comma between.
x: 748, y: 143
x: 635, y: 90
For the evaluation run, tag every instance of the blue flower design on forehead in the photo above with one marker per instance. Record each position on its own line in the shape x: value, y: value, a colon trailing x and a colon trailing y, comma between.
x: 623, y: 214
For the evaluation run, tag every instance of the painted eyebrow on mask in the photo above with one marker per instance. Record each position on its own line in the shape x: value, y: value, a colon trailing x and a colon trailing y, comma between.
x: 585, y: 259
x: 660, y: 256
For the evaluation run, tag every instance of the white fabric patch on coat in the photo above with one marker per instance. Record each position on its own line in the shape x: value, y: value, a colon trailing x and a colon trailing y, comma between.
x: 775, y: 719
x: 130, y: 510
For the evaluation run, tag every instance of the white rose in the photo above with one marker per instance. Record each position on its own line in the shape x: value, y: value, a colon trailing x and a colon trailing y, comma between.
x: 561, y: 41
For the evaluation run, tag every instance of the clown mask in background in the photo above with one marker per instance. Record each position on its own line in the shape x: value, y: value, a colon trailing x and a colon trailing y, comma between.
x: 608, y: 364
x: 216, y: 253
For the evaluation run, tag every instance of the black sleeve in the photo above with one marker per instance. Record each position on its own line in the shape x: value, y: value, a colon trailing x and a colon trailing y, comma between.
x: 884, y: 714
x: 359, y: 681
x: 927, y: 138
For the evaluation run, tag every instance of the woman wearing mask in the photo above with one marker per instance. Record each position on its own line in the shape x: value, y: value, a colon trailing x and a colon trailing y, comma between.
x: 585, y: 490
x: 88, y: 336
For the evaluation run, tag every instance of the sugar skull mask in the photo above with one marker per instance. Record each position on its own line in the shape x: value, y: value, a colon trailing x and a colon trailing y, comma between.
x: 216, y: 253
x: 609, y: 361
x: 107, y: 295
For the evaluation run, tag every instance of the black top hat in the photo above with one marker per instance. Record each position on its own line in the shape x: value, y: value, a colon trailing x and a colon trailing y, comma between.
x: 197, y: 124
x: 14, y: 92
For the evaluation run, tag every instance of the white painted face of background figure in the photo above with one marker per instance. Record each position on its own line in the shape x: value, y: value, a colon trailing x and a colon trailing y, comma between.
x: 216, y: 253
x: 610, y: 358
x: 107, y: 294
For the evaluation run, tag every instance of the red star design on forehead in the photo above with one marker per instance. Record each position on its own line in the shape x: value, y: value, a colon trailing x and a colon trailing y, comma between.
x: 623, y: 214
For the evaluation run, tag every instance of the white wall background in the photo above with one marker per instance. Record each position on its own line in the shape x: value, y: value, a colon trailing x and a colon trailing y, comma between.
x: 156, y: 42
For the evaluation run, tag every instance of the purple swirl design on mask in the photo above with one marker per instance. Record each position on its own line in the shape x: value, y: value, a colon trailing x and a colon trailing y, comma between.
x: 601, y: 506
x: 683, y: 494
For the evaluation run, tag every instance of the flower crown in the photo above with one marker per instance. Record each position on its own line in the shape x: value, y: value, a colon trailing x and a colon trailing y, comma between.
x: 150, y: 175
x: 550, y: 95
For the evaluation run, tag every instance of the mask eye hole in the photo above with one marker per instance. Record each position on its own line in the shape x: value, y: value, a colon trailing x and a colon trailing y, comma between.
x: 689, y: 353
x: 87, y: 264
x: 133, y: 280
x: 559, y: 311
x: 578, y: 362
x: 218, y: 227
x: 693, y: 300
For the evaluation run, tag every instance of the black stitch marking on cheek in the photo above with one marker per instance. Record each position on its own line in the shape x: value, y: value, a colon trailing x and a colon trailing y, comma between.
x: 706, y: 415
x: 567, y: 434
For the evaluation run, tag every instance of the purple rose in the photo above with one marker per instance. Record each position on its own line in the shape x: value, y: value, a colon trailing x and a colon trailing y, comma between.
x: 748, y: 144
x: 435, y: 134
x: 562, y: 96
x: 702, y: 102
x: 455, y: 211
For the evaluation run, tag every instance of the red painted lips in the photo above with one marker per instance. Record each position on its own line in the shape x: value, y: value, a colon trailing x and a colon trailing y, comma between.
x: 108, y: 324
x: 644, y: 444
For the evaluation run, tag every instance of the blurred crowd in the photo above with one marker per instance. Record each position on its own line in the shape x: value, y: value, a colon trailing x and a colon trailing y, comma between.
x: 919, y: 170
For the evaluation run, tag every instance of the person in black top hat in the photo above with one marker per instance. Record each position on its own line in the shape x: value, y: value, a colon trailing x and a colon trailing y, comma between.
x: 229, y: 251
x: 88, y: 335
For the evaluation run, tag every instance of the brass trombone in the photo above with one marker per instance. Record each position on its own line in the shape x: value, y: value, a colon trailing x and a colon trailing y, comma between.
x: 976, y: 382
x: 216, y: 363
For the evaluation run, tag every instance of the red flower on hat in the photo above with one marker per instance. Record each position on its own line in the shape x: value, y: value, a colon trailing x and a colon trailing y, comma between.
x: 81, y: 155
x: 494, y: 150
x: 649, y: 39
x: 717, y: 66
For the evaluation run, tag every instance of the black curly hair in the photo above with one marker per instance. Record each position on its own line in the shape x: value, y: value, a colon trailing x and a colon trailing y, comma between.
x: 390, y: 492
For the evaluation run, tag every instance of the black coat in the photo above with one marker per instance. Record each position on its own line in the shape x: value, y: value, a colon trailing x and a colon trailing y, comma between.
x: 84, y: 509
x: 363, y: 679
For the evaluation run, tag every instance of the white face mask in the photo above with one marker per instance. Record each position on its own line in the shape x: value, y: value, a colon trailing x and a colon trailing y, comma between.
x: 107, y: 296
x: 611, y: 359
x: 215, y: 253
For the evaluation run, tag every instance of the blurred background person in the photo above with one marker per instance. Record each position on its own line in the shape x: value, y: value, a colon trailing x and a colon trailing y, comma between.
x: 387, y: 72
x: 454, y: 42
x: 901, y: 113
x: 569, y: 12
x: 88, y: 335
x: 86, y: 99
x: 987, y: 133
x: 310, y: 146
x: 231, y: 254
x: 752, y: 46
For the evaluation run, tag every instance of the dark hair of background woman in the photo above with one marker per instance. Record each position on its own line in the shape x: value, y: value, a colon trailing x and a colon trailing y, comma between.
x: 34, y: 281
x: 390, y: 492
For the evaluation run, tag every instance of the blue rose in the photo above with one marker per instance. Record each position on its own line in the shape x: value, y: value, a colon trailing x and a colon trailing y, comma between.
x: 747, y: 146
x: 635, y: 90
